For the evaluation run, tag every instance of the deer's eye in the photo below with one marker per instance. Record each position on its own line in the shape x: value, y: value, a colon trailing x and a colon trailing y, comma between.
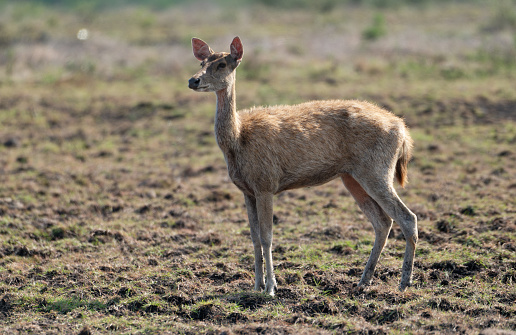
x: 202, y: 64
x: 221, y: 66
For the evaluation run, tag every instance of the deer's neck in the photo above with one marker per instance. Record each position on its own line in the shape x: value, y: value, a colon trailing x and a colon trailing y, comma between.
x: 226, y: 119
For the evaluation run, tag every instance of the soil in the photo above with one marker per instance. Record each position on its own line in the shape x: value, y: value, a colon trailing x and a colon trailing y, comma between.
x: 104, y: 235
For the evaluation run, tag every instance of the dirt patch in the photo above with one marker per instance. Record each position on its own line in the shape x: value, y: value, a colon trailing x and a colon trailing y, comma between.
x: 5, y: 305
x: 317, y: 306
x: 443, y: 305
x: 250, y: 301
x: 208, y: 311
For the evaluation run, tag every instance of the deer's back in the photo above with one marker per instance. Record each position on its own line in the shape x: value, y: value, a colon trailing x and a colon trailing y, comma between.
x: 319, y: 114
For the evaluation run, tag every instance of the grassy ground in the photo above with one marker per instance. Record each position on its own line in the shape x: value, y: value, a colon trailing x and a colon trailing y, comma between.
x: 117, y: 215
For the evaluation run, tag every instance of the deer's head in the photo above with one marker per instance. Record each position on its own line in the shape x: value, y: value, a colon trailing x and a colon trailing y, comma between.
x: 218, y: 68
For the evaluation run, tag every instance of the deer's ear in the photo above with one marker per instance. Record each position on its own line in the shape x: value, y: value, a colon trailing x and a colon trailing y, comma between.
x: 237, y: 49
x: 201, y: 49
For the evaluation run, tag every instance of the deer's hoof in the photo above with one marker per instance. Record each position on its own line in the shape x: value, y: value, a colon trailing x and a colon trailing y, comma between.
x: 403, y: 285
x: 364, y: 283
x: 259, y: 286
x: 271, y: 287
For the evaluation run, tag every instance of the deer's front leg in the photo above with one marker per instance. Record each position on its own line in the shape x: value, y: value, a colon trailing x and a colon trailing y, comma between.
x: 264, y: 209
x: 252, y: 213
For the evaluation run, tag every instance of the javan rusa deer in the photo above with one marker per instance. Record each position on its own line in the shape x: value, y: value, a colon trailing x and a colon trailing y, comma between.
x: 272, y: 149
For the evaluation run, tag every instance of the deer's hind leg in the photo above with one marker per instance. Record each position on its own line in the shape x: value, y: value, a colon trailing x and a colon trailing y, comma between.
x: 383, y: 192
x: 382, y: 224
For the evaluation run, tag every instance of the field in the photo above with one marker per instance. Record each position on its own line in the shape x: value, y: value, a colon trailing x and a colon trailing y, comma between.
x: 117, y: 214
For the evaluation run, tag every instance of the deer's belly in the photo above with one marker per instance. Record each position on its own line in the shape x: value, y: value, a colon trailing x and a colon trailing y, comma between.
x: 289, y: 182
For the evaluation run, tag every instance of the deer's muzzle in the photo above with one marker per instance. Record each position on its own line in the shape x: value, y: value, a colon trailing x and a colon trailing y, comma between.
x: 193, y: 83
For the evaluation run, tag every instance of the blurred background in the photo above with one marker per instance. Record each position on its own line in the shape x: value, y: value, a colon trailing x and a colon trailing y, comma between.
x: 294, y: 49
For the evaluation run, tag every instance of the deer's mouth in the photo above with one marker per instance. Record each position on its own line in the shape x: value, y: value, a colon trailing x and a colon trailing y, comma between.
x: 196, y: 84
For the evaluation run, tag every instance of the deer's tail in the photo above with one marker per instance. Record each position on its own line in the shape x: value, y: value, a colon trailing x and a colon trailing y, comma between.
x: 403, y: 160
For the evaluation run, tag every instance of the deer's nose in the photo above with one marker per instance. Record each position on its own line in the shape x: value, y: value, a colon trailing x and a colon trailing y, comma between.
x: 194, y: 82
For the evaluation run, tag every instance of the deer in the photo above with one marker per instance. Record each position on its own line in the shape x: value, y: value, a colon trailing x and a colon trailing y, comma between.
x: 269, y: 150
